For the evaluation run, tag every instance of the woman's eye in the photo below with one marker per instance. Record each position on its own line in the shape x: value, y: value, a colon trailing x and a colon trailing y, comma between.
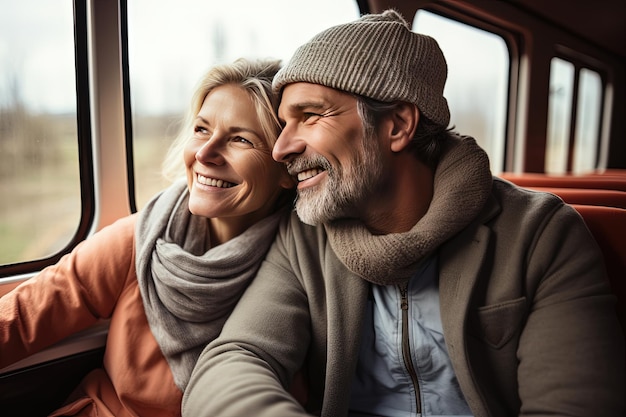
x: 200, y: 130
x: 245, y: 141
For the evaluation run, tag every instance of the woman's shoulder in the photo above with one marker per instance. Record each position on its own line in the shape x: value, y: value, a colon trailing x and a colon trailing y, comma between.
x: 116, y: 241
x: 121, y: 230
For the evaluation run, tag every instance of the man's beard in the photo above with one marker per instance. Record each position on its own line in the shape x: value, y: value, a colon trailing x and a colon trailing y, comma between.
x: 344, y: 191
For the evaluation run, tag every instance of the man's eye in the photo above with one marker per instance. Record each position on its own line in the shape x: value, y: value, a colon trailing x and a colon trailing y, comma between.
x: 309, y: 115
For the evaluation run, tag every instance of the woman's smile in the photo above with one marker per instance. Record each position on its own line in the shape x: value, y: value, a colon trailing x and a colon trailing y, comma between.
x: 213, y: 182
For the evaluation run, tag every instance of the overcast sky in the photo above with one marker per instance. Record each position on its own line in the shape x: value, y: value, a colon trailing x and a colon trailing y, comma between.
x: 36, y: 53
x: 171, y: 44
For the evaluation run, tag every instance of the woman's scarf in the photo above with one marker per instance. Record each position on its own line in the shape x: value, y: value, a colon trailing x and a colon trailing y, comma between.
x: 188, y: 293
x: 462, y: 184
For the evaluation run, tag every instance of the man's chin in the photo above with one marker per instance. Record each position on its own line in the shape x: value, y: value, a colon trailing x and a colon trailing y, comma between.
x: 316, y: 207
x: 307, y: 216
x: 310, y: 211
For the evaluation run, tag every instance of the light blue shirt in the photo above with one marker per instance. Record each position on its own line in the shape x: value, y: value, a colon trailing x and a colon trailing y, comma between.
x: 382, y: 385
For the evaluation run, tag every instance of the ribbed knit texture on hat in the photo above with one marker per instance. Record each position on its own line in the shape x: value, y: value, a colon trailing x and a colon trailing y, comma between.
x: 376, y: 56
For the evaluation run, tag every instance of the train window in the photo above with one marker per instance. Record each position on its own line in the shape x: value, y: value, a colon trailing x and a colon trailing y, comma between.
x: 589, y: 105
x: 39, y: 169
x: 164, y: 65
x: 559, y: 115
x: 575, y: 102
x: 478, y: 80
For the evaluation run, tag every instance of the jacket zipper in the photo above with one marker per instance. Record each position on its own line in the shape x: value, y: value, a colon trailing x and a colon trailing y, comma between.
x: 406, y: 347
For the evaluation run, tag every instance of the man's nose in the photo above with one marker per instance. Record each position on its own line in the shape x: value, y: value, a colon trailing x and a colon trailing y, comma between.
x: 288, y: 145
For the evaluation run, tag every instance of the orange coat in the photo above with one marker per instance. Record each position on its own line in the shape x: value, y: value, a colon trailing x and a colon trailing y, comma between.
x: 96, y: 281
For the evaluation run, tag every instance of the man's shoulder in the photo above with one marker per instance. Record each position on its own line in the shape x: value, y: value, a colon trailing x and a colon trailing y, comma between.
x: 526, y: 209
x: 515, y: 198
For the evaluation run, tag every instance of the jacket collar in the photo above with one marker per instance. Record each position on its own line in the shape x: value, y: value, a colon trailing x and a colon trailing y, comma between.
x: 461, y: 260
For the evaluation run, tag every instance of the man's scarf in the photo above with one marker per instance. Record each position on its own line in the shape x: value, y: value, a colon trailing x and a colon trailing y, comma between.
x: 462, y: 184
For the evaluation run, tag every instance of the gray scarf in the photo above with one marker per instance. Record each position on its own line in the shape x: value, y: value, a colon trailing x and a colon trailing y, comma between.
x: 188, y: 293
x: 462, y: 184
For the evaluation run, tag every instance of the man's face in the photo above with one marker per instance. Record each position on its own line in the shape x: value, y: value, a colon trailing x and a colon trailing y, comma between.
x: 324, y: 146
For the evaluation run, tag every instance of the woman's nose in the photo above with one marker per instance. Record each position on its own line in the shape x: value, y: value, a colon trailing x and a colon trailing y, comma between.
x: 288, y: 145
x: 211, y: 151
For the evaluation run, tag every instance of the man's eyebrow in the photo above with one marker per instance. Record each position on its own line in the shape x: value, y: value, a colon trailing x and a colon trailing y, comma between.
x: 295, y: 108
x: 307, y: 105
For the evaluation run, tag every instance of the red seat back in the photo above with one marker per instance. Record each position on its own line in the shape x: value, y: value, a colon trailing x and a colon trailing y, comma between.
x: 586, y: 196
x: 608, y: 226
x: 593, y: 181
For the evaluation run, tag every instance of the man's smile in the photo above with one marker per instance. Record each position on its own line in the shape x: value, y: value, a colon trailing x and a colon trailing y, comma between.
x: 309, y: 173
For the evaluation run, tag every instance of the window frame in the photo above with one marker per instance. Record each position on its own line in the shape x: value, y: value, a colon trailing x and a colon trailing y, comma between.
x: 512, y: 41
x: 85, y: 149
x: 128, y: 113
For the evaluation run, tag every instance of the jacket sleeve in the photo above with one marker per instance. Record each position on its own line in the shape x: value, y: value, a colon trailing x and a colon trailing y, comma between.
x: 571, y: 351
x: 247, y: 369
x: 69, y: 296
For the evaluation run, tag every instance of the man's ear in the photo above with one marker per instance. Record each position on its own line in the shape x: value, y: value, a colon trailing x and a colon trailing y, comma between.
x: 404, y: 120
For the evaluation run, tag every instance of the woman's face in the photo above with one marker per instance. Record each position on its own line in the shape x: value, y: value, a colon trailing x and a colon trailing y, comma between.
x: 230, y: 171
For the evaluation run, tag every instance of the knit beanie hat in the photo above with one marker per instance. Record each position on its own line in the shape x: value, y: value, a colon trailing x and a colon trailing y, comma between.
x: 376, y: 56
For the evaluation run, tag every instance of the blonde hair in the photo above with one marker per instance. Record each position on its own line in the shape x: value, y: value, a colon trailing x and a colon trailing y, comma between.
x: 255, y: 77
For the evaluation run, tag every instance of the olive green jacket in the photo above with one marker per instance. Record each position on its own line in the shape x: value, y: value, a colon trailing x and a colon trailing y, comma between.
x: 528, y: 317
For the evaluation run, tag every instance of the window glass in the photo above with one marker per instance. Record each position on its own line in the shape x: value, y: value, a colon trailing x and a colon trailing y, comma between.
x: 170, y: 48
x: 559, y: 115
x: 40, y: 198
x: 588, y: 111
x: 589, y: 108
x: 478, y: 78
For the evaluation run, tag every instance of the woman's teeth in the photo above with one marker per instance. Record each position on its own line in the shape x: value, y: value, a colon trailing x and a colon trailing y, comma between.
x: 214, y: 183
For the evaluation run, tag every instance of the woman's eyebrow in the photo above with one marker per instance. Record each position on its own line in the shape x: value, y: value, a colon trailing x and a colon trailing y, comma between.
x: 233, y: 128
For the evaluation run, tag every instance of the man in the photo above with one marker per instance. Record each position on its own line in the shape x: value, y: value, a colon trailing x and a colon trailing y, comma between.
x: 419, y: 285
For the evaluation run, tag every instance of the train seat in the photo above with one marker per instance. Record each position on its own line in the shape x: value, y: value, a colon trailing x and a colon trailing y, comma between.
x: 587, y: 196
x: 592, y: 181
x: 610, y: 172
x: 608, y: 226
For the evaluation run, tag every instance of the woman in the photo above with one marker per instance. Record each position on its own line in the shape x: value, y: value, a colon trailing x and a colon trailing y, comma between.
x: 169, y: 276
